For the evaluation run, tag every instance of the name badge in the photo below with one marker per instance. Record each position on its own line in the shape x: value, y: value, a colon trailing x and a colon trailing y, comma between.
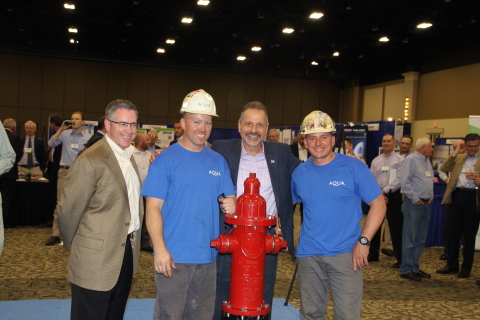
x: 27, y: 150
x: 74, y: 146
x: 465, y: 170
x: 385, y: 168
x: 428, y: 174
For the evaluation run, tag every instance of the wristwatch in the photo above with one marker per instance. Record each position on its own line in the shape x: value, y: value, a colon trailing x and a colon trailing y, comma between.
x: 364, y: 241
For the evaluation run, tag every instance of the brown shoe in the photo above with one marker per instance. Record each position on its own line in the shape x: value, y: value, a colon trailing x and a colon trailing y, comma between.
x: 52, y: 241
x: 411, y: 276
x: 388, y: 252
x: 423, y: 274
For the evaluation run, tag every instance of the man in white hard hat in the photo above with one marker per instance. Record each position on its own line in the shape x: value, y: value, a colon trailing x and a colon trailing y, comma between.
x: 333, y: 249
x: 182, y: 188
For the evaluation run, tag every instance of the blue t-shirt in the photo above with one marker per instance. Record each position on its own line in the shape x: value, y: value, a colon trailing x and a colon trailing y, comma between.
x: 332, y: 208
x: 190, y: 183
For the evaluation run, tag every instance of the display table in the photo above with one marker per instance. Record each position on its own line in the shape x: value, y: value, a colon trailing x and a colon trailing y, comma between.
x: 437, y: 217
x: 30, y: 203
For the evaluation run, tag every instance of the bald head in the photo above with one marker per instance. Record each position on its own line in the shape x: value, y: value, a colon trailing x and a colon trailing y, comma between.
x: 10, y: 124
x: 141, y: 141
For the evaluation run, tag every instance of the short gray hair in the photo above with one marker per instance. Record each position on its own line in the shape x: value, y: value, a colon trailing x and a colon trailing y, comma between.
x: 421, y: 142
x: 113, y: 106
x: 30, y: 121
x: 253, y: 105
x: 275, y: 131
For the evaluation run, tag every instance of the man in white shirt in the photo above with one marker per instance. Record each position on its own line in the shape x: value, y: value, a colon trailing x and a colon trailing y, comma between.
x: 385, y: 168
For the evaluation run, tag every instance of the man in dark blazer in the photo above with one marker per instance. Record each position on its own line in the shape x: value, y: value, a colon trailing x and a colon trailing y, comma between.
x: 35, y: 146
x: 295, y: 147
x: 243, y: 157
x: 99, y: 215
x: 7, y: 180
x: 53, y: 164
x: 99, y: 134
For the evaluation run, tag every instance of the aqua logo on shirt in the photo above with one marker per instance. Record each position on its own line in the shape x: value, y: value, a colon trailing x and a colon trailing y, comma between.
x: 336, y: 183
x: 214, y: 173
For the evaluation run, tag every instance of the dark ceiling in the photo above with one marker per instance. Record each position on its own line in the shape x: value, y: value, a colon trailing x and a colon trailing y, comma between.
x: 131, y: 31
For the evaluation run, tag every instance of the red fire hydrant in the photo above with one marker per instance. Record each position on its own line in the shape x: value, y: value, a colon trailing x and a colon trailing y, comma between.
x: 248, y: 242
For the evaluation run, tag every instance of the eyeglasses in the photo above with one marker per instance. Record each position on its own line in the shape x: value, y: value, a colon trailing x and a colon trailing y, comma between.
x: 125, y: 125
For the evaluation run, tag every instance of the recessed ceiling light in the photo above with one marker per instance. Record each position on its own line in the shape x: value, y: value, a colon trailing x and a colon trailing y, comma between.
x: 241, y: 58
x: 170, y: 41
x: 73, y: 30
x: 203, y: 2
x: 287, y: 30
x: 424, y: 25
x: 161, y: 50
x: 383, y: 39
x: 69, y: 6
x: 256, y: 48
x: 187, y: 20
x: 316, y: 15
x: 336, y: 54
x: 314, y: 63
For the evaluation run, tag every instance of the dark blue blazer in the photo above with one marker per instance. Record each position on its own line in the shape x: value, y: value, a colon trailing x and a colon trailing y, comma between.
x: 281, y: 163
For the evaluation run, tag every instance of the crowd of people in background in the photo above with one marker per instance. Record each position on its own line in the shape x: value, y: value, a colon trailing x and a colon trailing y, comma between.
x: 115, y: 193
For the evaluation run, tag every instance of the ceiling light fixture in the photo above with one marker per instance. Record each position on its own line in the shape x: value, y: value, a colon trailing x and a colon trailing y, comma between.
x: 336, y: 54
x: 287, y: 30
x: 383, y: 39
x: 256, y: 48
x: 424, y: 25
x: 203, y: 2
x: 316, y: 15
x: 241, y: 58
x: 187, y: 20
x: 314, y: 63
x: 161, y: 50
x: 69, y: 6
x: 73, y: 30
x: 170, y: 41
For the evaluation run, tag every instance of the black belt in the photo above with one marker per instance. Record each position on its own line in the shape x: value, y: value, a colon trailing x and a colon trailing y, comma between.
x: 28, y: 166
x: 424, y: 200
x: 64, y: 167
x: 465, y: 190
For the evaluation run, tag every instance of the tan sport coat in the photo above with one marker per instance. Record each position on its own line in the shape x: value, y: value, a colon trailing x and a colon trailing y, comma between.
x: 454, y: 166
x: 94, y: 216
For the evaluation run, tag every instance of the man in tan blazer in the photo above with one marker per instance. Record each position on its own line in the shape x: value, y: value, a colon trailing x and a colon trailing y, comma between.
x: 99, y: 215
x: 462, y: 216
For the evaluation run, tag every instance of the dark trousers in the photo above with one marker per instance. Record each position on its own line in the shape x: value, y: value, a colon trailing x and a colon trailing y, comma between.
x: 145, y: 238
x: 105, y: 305
x: 464, y: 219
x: 7, y: 186
x: 395, y: 223
x: 223, y: 280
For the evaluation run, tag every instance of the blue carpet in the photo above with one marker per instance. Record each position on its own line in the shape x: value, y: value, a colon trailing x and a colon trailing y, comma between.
x: 137, y: 309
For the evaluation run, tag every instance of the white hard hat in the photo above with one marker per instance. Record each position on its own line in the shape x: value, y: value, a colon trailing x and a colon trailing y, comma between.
x: 317, y: 121
x: 199, y: 101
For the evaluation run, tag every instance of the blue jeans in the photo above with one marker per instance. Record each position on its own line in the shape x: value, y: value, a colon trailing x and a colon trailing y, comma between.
x: 415, y: 227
